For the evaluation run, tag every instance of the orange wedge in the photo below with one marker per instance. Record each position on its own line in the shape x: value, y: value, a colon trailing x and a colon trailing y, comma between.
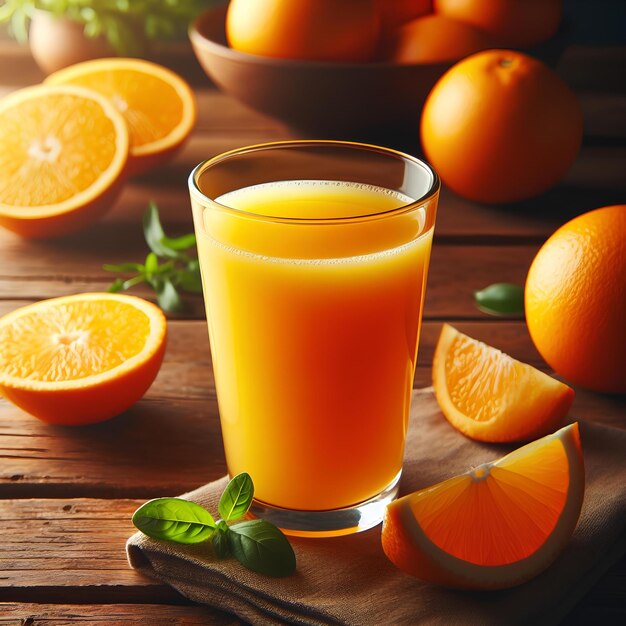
x: 489, y: 396
x: 496, y: 526
x: 159, y: 106
x: 63, y: 154
x: 80, y: 359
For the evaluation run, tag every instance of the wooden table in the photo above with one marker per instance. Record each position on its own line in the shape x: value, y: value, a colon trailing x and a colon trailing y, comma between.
x: 67, y: 494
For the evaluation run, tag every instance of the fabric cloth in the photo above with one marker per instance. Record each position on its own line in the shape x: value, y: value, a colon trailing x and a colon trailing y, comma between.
x: 348, y: 580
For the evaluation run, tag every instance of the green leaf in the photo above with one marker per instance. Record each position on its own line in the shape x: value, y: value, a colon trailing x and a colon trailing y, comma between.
x: 151, y: 265
x: 167, y: 268
x: 237, y: 497
x: 261, y: 547
x: 180, y: 243
x: 19, y: 25
x: 190, y: 281
x: 502, y: 299
x: 153, y: 232
x: 175, y: 520
x: 219, y: 540
x: 116, y: 286
x: 167, y: 296
x: 159, y: 242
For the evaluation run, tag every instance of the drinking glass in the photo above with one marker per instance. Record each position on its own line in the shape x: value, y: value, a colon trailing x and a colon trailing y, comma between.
x: 314, y: 257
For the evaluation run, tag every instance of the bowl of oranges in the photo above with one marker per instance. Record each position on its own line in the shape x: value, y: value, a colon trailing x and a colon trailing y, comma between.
x: 340, y: 68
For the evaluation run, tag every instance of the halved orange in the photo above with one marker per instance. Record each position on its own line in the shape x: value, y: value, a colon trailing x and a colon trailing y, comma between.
x: 80, y: 359
x: 159, y: 106
x: 496, y: 526
x: 64, y: 150
x: 489, y: 396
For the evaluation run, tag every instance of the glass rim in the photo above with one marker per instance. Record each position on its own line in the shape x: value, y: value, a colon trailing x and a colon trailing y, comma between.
x: 202, y: 198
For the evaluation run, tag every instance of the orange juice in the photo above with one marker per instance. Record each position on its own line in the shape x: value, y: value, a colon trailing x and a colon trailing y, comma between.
x: 314, y: 308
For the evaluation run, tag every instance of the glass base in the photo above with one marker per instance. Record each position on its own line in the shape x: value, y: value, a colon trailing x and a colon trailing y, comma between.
x: 329, y: 523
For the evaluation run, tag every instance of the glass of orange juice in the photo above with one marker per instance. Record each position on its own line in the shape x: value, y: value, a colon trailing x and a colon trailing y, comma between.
x: 314, y: 257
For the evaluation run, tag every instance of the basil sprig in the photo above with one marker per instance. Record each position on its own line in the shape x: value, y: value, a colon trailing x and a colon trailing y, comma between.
x: 501, y: 299
x: 256, y: 544
x: 168, y: 268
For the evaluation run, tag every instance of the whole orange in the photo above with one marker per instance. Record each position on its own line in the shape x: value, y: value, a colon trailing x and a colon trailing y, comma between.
x: 435, y: 39
x: 315, y: 30
x: 515, y: 23
x: 575, y: 300
x: 499, y: 126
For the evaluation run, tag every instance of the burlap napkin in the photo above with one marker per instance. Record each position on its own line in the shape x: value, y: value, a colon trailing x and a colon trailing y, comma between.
x: 348, y: 580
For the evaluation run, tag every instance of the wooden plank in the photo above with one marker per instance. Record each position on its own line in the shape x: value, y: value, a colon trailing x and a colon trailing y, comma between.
x: 56, y: 551
x: 29, y: 614
x: 158, y: 447
x: 36, y: 270
x: 170, y: 441
x: 55, y: 548
x: 596, y: 179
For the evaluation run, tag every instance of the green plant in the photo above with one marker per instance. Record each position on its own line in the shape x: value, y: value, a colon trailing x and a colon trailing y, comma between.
x: 128, y: 25
x: 256, y: 544
x: 501, y: 299
x: 168, y: 268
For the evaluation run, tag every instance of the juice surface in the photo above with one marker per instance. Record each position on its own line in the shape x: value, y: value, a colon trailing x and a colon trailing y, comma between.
x: 314, y: 331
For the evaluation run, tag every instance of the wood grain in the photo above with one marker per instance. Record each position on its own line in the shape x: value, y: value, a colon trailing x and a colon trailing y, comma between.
x: 62, y: 558
x: 29, y: 614
x: 596, y: 179
x: 36, y: 270
x: 71, y: 545
x: 170, y: 442
x: 59, y: 550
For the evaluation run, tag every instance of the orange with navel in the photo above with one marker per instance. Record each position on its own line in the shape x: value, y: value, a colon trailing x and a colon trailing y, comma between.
x: 313, y: 30
x: 435, y: 39
x: 496, y: 526
x: 500, y: 126
x: 575, y: 300
x: 514, y: 23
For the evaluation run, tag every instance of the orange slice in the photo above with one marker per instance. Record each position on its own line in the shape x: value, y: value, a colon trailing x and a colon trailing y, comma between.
x: 159, y: 106
x: 496, y: 526
x: 80, y: 359
x: 64, y: 150
x: 489, y: 396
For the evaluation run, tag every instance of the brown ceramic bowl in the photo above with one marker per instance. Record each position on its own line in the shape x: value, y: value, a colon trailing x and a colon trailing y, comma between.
x: 313, y: 97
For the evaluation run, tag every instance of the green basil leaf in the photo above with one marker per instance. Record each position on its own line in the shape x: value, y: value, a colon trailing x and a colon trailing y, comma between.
x: 237, y: 496
x: 167, y: 296
x: 116, y: 286
x: 261, y: 547
x: 219, y: 540
x: 151, y: 265
x: 501, y: 299
x: 174, y: 519
x: 154, y: 234
x: 180, y: 243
